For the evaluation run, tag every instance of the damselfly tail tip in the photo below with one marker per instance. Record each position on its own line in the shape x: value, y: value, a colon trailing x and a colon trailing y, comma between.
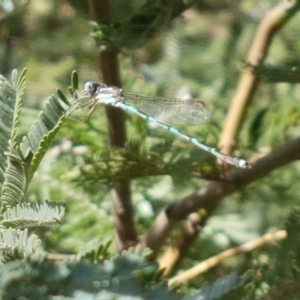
x: 243, y: 164
x: 237, y: 162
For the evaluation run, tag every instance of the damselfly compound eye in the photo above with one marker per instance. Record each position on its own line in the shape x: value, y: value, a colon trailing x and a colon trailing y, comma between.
x: 89, y: 86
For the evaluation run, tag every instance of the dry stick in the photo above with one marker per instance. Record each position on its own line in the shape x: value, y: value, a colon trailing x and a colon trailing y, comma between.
x: 213, y: 261
x: 210, y: 196
x: 58, y: 256
x: 271, y: 23
x: 121, y: 194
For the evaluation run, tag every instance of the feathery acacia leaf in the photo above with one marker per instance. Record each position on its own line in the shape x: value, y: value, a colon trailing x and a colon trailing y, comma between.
x: 34, y: 214
x: 7, y: 106
x: 95, y: 251
x: 15, y: 184
x: 19, y: 86
x: 17, y: 170
x: 16, y: 239
x: 43, y: 132
x: 74, y: 81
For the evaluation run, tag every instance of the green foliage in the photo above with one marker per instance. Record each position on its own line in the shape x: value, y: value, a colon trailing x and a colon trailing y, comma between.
x: 7, y: 106
x: 200, y: 55
x: 145, y: 23
x: 19, y: 86
x: 220, y: 288
x: 136, y: 161
x: 277, y: 269
x: 95, y: 251
x: 42, y: 132
x: 17, y: 244
x: 35, y: 214
x: 18, y: 165
x: 284, y: 73
x: 15, y: 184
x: 131, y: 273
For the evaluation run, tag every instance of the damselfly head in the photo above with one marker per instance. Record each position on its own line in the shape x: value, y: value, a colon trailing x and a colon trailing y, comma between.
x: 85, y: 98
x: 91, y: 87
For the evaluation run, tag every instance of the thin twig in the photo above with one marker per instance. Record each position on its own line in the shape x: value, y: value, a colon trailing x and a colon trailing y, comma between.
x: 213, y: 261
x: 247, y: 85
x: 210, y: 197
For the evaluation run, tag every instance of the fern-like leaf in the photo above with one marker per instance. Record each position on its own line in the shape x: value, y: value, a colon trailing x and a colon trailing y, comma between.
x: 34, y: 214
x: 15, y: 171
x: 43, y: 132
x: 15, y: 184
x: 95, y: 251
x: 74, y: 82
x: 15, y: 239
x: 7, y: 105
x: 19, y: 85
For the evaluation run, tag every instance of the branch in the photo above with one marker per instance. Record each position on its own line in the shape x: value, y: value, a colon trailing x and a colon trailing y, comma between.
x: 269, y: 26
x: 247, y: 85
x: 176, y: 251
x: 210, y: 196
x: 213, y: 261
x: 121, y: 194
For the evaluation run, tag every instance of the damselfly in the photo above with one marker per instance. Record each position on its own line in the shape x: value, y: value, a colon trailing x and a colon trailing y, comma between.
x: 158, y: 110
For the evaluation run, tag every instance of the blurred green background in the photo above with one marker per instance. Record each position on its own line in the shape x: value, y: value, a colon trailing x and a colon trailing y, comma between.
x: 198, y: 54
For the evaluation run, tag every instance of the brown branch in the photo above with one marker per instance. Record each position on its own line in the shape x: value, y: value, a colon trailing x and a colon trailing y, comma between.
x: 213, y: 261
x: 176, y: 251
x: 210, y: 196
x: 121, y: 194
x: 247, y: 85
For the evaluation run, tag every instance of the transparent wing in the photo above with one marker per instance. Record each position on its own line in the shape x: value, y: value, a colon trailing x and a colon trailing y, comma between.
x: 170, y: 110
